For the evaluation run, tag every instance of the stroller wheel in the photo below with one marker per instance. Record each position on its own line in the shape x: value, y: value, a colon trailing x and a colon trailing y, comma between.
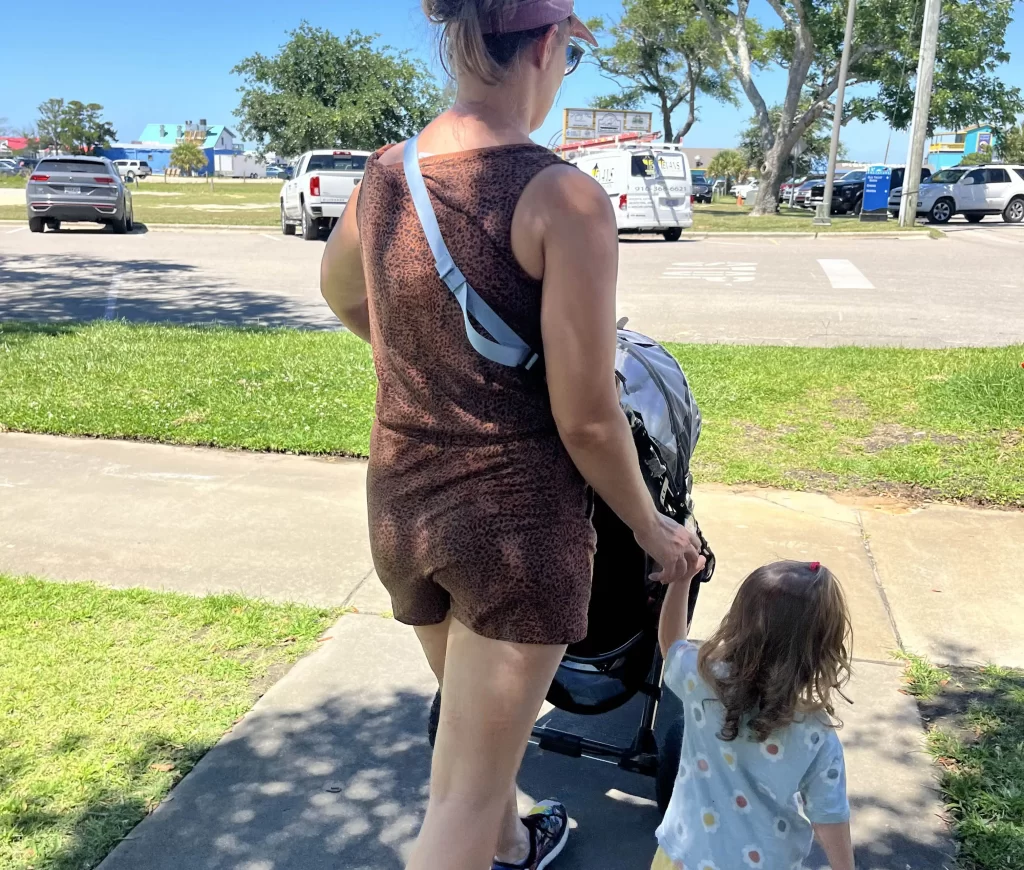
x: 668, y: 764
x: 435, y: 716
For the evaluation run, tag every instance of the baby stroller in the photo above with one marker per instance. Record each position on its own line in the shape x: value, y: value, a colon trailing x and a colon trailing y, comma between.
x: 620, y: 656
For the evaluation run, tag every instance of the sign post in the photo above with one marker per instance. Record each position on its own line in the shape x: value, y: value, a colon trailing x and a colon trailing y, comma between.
x: 875, y: 204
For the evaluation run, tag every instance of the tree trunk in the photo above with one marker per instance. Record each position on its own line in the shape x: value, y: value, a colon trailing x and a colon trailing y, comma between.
x: 767, y: 198
x: 666, y: 120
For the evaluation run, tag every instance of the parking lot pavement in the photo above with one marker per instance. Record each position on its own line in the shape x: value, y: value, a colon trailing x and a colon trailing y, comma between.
x: 914, y: 292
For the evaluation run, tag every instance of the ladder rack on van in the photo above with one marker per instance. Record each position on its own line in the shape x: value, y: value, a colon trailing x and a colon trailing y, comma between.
x: 630, y: 141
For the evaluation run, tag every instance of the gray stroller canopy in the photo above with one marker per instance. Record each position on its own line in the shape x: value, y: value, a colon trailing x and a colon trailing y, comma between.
x: 652, y: 384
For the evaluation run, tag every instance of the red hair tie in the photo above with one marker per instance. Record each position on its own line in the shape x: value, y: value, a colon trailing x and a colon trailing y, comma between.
x: 814, y: 566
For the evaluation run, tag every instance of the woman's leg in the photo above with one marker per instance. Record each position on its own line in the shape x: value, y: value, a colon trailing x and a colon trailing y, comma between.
x: 492, y: 694
x: 513, y: 838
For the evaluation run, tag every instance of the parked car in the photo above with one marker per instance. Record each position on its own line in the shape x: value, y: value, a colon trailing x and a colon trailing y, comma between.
x: 77, y: 189
x: 703, y: 187
x: 129, y: 170
x: 8, y: 167
x: 275, y: 170
x: 802, y: 197
x: 316, y: 197
x: 848, y: 192
x: 743, y: 188
x: 788, y: 188
x: 974, y: 192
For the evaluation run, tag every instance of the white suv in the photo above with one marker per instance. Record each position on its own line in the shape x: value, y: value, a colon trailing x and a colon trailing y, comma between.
x: 971, y: 191
x: 129, y: 170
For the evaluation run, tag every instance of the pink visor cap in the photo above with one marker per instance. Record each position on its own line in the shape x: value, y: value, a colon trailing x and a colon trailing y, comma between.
x: 528, y: 14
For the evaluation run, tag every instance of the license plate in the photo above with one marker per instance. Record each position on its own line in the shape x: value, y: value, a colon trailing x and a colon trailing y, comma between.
x: 671, y: 203
x: 72, y: 190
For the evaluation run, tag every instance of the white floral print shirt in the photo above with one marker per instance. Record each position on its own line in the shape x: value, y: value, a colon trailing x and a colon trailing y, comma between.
x: 742, y: 804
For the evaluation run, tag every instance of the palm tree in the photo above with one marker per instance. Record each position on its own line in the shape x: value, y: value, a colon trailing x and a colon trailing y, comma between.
x: 728, y: 164
x: 187, y: 157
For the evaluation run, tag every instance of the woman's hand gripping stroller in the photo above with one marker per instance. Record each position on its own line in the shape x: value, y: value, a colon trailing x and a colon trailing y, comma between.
x: 674, y: 549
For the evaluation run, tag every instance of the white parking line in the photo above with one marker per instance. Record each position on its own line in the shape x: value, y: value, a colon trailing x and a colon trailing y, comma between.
x: 843, y: 275
x: 272, y: 238
x: 115, y: 286
x: 18, y: 230
x: 720, y: 272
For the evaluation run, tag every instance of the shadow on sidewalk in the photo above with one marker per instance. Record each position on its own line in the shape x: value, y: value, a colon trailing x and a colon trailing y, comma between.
x: 47, y: 289
x: 343, y: 786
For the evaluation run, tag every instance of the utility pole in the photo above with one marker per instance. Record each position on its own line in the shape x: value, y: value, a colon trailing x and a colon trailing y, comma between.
x: 922, y: 106
x: 824, y: 212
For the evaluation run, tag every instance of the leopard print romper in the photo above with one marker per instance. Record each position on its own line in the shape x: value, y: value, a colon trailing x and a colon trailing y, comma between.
x: 474, y: 504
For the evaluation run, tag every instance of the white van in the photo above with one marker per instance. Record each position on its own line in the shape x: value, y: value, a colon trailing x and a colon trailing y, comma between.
x: 649, y: 185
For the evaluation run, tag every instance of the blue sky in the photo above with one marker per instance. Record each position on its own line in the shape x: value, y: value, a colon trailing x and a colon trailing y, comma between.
x: 176, y: 66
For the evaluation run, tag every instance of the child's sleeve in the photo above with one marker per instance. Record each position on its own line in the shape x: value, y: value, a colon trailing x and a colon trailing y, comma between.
x: 680, y: 666
x: 823, y: 787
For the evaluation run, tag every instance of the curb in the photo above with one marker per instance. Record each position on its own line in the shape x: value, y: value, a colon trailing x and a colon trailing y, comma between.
x: 911, y: 234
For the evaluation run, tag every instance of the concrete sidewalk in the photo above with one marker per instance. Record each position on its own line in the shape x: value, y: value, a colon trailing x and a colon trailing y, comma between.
x: 330, y: 769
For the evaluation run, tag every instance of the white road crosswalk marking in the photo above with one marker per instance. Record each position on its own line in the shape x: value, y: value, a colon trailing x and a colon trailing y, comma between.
x: 719, y: 272
x: 843, y: 275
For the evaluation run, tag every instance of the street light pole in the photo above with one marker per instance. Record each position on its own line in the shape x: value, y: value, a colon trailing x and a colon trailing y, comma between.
x: 922, y: 106
x: 824, y: 213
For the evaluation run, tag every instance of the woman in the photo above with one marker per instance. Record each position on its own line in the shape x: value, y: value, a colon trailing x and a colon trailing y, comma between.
x: 478, y: 479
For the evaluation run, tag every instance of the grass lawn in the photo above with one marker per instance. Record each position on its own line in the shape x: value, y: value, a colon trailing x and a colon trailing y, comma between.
x: 232, y: 203
x: 944, y: 424
x: 13, y: 182
x: 727, y: 217
x: 975, y: 721
x: 109, y: 697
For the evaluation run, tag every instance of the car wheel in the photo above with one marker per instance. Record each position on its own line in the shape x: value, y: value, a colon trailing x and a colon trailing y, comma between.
x: 974, y: 218
x: 36, y: 225
x: 120, y: 225
x: 1014, y: 211
x: 858, y: 206
x: 286, y: 228
x: 129, y: 220
x: 129, y: 178
x: 54, y: 225
x: 673, y: 235
x: 310, y: 230
x: 941, y: 212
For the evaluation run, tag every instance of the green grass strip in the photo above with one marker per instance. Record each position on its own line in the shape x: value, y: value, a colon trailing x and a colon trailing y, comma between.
x: 939, y: 423
x: 109, y: 697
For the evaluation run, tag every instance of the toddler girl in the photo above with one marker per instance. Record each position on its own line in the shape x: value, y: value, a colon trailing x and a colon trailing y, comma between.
x: 761, y: 764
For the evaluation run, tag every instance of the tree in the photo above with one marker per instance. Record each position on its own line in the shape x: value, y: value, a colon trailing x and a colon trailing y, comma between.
x: 662, y: 52
x: 73, y: 126
x: 809, y: 154
x: 978, y: 158
x: 808, y: 45
x: 729, y: 164
x: 51, y: 123
x: 187, y: 157
x: 1010, y: 145
x: 320, y: 91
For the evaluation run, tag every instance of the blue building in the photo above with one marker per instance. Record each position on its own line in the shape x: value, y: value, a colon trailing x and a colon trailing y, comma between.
x: 156, y: 141
x: 948, y: 149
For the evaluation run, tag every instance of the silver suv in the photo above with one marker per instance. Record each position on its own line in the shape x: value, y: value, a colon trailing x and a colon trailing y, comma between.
x: 973, y: 192
x: 77, y: 189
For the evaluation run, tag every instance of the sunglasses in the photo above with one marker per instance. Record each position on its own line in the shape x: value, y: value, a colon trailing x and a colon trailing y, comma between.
x: 573, y: 56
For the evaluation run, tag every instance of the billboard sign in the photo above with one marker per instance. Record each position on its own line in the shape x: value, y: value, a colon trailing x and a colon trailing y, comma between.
x: 581, y: 124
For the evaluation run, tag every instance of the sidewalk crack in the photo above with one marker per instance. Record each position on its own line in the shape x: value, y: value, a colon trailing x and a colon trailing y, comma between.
x: 879, y: 585
x: 358, y: 586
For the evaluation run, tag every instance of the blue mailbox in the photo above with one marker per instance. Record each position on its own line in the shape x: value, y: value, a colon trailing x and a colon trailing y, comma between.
x: 877, y: 181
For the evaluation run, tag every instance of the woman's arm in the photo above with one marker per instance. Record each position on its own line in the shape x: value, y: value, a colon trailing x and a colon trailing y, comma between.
x: 579, y: 250
x: 341, y: 273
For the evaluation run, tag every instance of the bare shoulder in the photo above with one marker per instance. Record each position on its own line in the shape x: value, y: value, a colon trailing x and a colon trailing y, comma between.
x: 563, y: 191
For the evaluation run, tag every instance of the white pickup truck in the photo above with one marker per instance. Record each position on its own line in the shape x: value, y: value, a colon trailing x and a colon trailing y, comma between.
x: 316, y: 195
